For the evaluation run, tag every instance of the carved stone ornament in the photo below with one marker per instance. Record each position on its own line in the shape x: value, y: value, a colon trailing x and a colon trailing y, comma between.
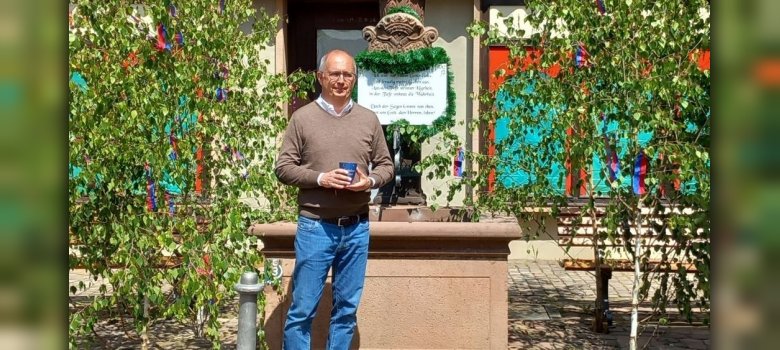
x: 416, y: 5
x: 399, y: 32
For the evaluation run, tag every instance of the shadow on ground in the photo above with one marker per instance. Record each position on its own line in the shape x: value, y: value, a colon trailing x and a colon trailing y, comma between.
x: 113, y: 332
x: 551, y: 308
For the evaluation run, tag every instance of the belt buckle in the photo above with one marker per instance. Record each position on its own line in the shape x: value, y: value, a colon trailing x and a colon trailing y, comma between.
x: 345, y: 218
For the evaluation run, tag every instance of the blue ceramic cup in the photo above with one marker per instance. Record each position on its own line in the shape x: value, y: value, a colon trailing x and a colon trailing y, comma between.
x: 351, y: 168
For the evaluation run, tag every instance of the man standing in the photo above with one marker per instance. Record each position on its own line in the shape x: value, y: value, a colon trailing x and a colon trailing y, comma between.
x: 333, y: 212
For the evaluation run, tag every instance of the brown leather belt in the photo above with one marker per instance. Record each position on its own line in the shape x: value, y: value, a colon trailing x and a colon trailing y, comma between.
x: 346, y: 220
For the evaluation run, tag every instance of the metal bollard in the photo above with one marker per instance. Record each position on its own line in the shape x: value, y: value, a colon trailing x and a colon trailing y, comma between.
x: 247, y: 311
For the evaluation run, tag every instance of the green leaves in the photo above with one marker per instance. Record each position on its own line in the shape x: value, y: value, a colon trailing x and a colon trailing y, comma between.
x: 139, y: 106
x: 641, y: 76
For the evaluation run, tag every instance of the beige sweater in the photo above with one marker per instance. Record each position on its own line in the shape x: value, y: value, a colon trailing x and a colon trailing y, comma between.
x: 315, y: 142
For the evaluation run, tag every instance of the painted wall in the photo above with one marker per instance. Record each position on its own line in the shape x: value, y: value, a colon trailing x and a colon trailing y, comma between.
x: 269, y: 52
x: 497, y: 15
x: 451, y: 17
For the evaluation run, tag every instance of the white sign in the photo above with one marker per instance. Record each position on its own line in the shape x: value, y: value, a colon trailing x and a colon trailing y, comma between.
x: 420, y: 97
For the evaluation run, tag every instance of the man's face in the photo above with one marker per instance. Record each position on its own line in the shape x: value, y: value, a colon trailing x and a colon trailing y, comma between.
x: 338, y: 77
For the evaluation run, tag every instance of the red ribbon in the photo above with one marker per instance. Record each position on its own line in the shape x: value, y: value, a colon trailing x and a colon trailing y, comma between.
x: 199, y: 162
x: 162, y: 33
x: 207, y: 269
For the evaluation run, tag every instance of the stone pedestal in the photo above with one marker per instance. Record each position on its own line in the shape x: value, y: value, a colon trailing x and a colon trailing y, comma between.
x: 428, y: 285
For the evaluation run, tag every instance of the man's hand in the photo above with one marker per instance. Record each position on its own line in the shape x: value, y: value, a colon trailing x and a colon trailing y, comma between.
x: 336, y: 178
x: 363, y: 182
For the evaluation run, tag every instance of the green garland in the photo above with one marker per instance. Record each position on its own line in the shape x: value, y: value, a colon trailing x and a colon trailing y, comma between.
x: 406, y: 63
x: 404, y: 9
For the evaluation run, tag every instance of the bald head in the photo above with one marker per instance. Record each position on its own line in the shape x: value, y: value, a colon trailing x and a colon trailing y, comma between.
x: 337, y: 55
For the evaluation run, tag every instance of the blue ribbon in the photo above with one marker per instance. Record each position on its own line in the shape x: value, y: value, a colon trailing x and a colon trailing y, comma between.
x: 613, y: 167
x: 180, y: 38
x: 221, y: 95
x: 151, y: 198
x: 600, y: 6
x: 640, y: 172
x: 579, y: 56
x: 174, y: 155
x: 171, y: 207
x: 457, y: 169
x: 612, y: 159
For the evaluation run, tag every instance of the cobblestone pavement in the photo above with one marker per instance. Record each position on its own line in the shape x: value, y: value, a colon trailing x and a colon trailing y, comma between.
x: 549, y: 308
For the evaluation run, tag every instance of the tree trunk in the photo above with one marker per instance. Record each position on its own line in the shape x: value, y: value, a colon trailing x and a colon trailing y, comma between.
x: 598, y: 313
x: 601, y: 292
x: 637, y: 275
x: 145, y: 330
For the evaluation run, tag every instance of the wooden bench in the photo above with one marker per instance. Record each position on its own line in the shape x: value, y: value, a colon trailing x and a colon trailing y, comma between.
x: 575, y: 229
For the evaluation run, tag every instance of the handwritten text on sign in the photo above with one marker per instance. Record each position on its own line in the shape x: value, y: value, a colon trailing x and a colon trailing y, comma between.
x: 419, y: 97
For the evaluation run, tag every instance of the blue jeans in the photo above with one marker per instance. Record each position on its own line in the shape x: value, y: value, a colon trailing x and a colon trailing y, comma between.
x: 318, y: 247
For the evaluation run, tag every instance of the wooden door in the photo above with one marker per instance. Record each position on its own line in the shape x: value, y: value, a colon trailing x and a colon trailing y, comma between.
x: 307, y: 17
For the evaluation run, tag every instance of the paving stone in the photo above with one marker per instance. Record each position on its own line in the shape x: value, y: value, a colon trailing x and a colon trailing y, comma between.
x: 528, y: 312
x: 694, y: 344
x: 552, y: 312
